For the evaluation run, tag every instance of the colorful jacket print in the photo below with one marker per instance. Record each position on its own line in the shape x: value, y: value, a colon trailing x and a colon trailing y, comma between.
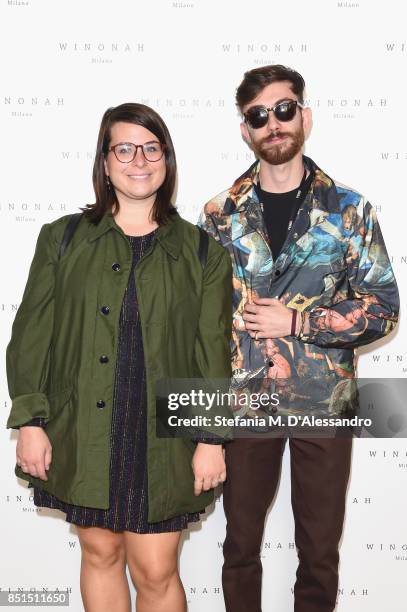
x: 333, y: 264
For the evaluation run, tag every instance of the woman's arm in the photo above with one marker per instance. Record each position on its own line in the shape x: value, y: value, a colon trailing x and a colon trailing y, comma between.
x: 212, y: 354
x: 27, y: 356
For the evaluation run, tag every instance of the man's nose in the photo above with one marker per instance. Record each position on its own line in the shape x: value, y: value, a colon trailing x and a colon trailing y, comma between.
x: 273, y: 123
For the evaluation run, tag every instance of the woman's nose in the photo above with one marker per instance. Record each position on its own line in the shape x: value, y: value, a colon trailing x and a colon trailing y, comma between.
x: 139, y: 159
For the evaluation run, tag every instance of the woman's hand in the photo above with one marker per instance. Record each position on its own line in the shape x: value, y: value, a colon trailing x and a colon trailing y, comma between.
x: 34, y: 451
x: 208, y: 464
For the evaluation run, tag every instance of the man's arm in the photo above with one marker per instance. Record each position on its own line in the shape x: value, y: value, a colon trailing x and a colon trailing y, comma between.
x: 372, y: 310
x: 206, y: 222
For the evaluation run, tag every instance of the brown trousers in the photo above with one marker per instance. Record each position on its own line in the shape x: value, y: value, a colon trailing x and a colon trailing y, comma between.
x: 319, y: 476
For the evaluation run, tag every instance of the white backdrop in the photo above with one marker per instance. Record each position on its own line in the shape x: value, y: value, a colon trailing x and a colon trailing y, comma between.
x: 65, y: 62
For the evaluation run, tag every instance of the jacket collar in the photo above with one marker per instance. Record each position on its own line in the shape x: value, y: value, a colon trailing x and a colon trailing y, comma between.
x: 242, y: 193
x: 170, y: 235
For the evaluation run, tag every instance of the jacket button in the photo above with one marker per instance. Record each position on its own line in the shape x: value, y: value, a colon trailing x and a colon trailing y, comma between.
x: 277, y: 272
x: 100, y: 404
x: 274, y: 409
x: 116, y: 267
x: 105, y: 310
x: 103, y: 359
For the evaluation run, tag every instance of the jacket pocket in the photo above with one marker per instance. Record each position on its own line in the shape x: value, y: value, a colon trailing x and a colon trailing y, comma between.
x: 58, y: 399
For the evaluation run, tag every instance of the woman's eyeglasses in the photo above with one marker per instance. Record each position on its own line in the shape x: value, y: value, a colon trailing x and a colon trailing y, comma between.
x: 126, y: 152
x: 257, y: 116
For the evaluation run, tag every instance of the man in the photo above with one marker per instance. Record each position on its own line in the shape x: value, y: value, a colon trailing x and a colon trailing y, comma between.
x: 312, y: 282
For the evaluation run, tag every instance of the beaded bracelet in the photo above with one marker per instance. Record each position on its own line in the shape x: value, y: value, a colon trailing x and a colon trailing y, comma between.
x: 293, y: 321
x: 301, y: 330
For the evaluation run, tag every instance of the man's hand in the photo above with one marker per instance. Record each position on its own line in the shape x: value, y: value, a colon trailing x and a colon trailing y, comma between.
x: 268, y: 317
x: 208, y: 464
x: 34, y: 451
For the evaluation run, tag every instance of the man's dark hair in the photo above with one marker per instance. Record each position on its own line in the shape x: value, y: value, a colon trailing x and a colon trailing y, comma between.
x: 254, y: 81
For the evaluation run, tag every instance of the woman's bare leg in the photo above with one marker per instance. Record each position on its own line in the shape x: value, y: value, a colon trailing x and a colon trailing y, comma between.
x: 104, y: 585
x: 153, y: 566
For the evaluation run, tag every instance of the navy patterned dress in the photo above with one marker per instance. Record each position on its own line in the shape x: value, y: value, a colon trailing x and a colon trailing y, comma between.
x: 128, y: 509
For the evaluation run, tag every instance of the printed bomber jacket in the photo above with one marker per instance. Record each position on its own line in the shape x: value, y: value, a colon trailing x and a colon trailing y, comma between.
x: 333, y: 264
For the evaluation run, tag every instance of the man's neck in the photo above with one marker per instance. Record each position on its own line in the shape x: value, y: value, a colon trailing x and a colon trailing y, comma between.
x: 281, y: 178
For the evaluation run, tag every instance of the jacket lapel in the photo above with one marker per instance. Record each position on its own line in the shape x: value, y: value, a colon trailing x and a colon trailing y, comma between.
x: 246, y: 214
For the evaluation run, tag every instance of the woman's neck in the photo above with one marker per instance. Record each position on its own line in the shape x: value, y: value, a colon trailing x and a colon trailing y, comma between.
x: 134, y: 219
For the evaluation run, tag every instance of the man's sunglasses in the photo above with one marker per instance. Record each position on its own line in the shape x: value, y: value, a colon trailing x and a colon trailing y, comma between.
x: 257, y: 116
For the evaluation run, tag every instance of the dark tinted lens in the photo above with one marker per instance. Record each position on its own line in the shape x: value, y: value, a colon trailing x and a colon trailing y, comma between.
x: 257, y: 116
x: 285, y: 111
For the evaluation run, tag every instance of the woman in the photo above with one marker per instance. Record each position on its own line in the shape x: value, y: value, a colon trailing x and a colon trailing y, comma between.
x: 128, y: 303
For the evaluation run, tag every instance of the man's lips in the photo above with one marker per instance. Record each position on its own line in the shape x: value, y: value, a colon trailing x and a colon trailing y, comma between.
x: 275, y: 139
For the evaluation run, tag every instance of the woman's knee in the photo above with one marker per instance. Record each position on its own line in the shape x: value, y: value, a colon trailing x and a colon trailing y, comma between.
x: 102, y: 549
x: 154, y: 579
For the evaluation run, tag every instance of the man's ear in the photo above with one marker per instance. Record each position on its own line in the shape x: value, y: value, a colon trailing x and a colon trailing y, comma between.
x: 307, y: 120
x: 245, y: 133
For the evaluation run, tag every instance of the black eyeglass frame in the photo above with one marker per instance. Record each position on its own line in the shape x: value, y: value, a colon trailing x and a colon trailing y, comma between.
x: 162, y: 145
x: 273, y: 108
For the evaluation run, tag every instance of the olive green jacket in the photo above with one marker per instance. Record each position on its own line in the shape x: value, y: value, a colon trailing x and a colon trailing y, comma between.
x: 69, y: 317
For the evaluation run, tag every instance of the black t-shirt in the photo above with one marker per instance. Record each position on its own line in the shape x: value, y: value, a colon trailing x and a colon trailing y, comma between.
x: 278, y: 210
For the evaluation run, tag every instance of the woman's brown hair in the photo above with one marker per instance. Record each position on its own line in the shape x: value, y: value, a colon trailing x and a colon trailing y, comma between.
x: 143, y: 115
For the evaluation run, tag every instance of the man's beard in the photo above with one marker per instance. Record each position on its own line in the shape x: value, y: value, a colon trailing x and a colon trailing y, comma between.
x: 280, y: 153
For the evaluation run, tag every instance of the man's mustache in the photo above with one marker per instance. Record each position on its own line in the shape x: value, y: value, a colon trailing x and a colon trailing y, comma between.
x: 274, y: 134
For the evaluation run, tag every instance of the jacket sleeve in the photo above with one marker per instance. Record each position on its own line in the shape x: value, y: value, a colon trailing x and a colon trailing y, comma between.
x: 371, y: 310
x: 212, y: 343
x: 212, y: 350
x: 27, y: 355
x: 36, y: 422
x: 206, y: 222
